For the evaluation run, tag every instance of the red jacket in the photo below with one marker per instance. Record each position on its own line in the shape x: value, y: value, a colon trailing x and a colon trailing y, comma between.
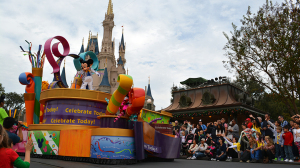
x: 249, y: 125
x: 288, y: 138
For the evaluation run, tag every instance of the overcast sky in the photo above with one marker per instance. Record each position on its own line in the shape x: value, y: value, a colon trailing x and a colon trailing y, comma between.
x: 169, y: 40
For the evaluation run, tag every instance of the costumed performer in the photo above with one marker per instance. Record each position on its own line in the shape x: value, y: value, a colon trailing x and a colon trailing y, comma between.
x: 3, y: 113
x: 87, y: 73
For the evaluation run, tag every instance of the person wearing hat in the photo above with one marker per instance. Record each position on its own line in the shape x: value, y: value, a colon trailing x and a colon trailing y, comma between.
x: 8, y: 124
x: 200, y: 151
x: 248, y: 123
x: 202, y: 126
x: 3, y: 113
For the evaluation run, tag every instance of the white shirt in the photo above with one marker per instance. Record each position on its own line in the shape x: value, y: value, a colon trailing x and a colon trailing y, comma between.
x: 296, y: 133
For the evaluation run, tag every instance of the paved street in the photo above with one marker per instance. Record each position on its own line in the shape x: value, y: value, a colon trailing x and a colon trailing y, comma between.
x: 178, y: 163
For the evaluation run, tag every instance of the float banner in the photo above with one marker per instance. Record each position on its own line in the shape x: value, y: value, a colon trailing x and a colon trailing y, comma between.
x: 163, y: 128
x: 112, y: 147
x: 74, y: 112
x: 152, y: 148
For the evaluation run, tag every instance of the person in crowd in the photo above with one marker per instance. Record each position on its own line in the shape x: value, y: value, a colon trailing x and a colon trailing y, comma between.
x: 211, y: 151
x: 8, y: 157
x: 296, y: 133
x: 183, y: 136
x: 3, y: 113
x: 198, y: 129
x: 268, y: 151
x: 261, y: 126
x: 8, y: 125
x: 176, y: 127
x: 229, y: 134
x: 296, y: 118
x: 235, y: 129
x: 191, y: 150
x: 255, y: 123
x: 200, y: 151
x: 219, y: 122
x: 221, y: 151
x: 283, y: 122
x: 224, y: 125
x: 233, y: 149
x: 265, y: 127
x: 257, y: 151
x: 219, y: 131
x: 209, y: 140
x: 251, y: 145
x: 200, y: 136
x: 189, y: 126
x: 209, y: 127
x: 184, y: 129
x: 288, y: 143
x: 193, y: 129
x: 278, y: 143
x: 248, y: 123
x: 245, y: 147
x: 203, y: 126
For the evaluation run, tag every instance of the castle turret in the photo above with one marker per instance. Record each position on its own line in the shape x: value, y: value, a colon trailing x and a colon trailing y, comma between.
x: 63, y: 75
x: 104, y: 85
x: 149, y: 101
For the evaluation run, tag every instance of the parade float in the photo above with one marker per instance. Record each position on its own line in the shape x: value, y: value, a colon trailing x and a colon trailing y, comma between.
x: 87, y: 125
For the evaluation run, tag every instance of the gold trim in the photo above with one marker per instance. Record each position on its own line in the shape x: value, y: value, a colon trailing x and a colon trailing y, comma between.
x: 58, y: 127
x: 112, y: 132
x: 37, y: 71
x: 67, y: 93
x: 160, y: 113
x: 29, y: 96
x: 111, y: 116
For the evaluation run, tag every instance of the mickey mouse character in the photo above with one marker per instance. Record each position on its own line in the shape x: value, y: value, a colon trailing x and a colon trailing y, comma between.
x: 87, y: 73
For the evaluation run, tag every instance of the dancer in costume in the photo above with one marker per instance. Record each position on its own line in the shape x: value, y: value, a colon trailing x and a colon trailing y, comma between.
x: 3, y: 113
x: 87, y: 73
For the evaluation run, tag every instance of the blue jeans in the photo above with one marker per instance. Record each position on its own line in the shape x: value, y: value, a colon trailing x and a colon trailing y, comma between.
x: 288, y: 152
x: 222, y: 158
x: 279, y: 151
x: 256, y: 155
x: 199, y: 154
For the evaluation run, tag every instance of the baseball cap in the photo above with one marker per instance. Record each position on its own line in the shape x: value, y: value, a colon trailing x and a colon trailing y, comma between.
x: 202, y: 139
x: 248, y: 119
x: 200, y: 120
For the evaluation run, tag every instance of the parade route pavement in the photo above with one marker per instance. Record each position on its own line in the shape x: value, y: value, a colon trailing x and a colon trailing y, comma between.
x: 178, y: 163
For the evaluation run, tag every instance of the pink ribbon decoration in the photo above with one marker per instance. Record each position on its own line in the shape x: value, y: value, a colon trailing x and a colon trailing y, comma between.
x: 55, y: 51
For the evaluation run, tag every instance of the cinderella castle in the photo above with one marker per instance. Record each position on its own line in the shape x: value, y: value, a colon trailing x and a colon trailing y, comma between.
x: 108, y: 65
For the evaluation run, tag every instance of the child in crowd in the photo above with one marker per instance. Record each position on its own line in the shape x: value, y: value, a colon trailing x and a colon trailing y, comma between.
x: 200, y: 136
x: 296, y: 132
x: 278, y: 142
x: 211, y: 151
x: 268, y: 151
x: 257, y: 151
x: 183, y: 137
x: 288, y: 143
x: 8, y: 157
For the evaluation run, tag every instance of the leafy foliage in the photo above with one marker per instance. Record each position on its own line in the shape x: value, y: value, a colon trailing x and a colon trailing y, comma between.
x: 13, y: 100
x: 266, y: 49
x: 2, y: 89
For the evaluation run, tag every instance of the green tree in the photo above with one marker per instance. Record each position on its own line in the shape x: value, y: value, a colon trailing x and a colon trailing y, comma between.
x: 2, y: 89
x: 266, y: 49
x: 14, y: 100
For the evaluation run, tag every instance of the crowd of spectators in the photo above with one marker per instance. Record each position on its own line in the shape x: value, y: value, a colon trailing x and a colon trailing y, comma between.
x: 258, y: 141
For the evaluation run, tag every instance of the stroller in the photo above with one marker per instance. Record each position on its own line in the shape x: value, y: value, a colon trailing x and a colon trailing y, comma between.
x: 188, y: 141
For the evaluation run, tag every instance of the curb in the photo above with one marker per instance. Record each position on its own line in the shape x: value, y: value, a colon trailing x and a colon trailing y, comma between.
x: 237, y: 160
